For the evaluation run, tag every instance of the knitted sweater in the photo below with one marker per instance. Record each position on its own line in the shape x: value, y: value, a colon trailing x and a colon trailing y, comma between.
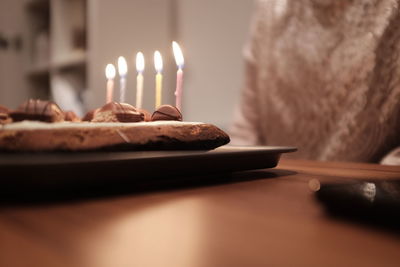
x: 323, y: 75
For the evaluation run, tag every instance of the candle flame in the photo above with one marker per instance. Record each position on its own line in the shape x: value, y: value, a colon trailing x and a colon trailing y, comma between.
x: 139, y: 62
x: 178, y: 55
x: 158, y: 62
x: 110, y: 71
x: 122, y: 66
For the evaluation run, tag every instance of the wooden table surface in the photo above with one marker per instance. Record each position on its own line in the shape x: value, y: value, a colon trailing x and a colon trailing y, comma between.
x: 260, y: 218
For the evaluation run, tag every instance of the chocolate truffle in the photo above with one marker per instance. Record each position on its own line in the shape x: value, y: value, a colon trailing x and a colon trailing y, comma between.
x: 118, y: 112
x: 38, y: 110
x: 147, y: 115
x: 4, y: 118
x: 71, y: 116
x: 167, y: 113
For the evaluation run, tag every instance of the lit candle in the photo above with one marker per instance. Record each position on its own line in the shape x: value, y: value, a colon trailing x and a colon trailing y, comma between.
x: 158, y: 64
x: 122, y: 71
x: 110, y: 75
x: 139, y: 79
x: 179, y: 75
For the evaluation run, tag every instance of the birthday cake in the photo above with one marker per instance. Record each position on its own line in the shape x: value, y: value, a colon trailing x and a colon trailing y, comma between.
x: 42, y: 126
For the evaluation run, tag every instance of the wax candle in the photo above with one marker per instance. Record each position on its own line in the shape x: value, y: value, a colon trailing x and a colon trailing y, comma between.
x: 179, y: 74
x: 110, y: 75
x: 139, y: 79
x: 122, y: 71
x: 158, y: 65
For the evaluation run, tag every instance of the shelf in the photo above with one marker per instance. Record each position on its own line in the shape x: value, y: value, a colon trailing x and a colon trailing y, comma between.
x: 76, y: 58
x: 55, y: 45
x: 37, y: 4
x: 38, y: 71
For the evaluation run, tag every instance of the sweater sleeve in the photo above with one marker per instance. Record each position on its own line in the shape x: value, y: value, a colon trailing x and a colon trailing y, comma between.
x: 245, y: 130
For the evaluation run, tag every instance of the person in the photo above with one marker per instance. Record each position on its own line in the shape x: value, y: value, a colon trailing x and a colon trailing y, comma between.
x: 324, y: 76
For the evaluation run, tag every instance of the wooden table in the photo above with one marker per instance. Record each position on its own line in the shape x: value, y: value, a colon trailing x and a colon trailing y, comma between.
x: 261, y: 218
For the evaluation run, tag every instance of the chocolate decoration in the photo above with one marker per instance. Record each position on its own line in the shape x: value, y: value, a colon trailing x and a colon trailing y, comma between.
x: 90, y: 115
x: 4, y: 118
x: 118, y: 112
x: 4, y: 110
x: 167, y: 113
x: 38, y: 110
x: 147, y: 115
x: 71, y: 116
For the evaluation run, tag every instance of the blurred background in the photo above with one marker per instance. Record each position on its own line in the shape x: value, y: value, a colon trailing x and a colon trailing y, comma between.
x: 58, y: 49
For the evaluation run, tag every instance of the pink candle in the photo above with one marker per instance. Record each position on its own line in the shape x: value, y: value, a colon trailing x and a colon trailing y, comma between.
x: 179, y: 75
x: 178, y: 92
x: 110, y: 75
x: 110, y: 89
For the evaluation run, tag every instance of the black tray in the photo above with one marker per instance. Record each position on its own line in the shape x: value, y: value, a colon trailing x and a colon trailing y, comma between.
x: 37, y: 176
x: 138, y: 164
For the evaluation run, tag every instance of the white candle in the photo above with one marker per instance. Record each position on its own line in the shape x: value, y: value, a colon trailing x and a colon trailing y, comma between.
x: 139, y: 79
x: 122, y: 71
x: 158, y: 65
x: 110, y: 75
x: 179, y: 75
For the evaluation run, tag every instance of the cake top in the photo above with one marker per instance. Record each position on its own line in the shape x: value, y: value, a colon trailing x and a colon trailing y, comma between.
x: 37, y: 125
x: 48, y: 111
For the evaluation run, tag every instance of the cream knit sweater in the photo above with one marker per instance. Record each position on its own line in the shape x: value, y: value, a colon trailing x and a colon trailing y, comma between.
x: 323, y: 75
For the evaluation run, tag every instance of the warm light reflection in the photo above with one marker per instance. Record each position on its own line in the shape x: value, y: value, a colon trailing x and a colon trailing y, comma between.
x: 110, y: 71
x: 137, y: 233
x: 369, y: 190
x: 122, y: 66
x: 314, y: 185
x: 178, y: 55
x: 139, y: 62
x: 158, y: 62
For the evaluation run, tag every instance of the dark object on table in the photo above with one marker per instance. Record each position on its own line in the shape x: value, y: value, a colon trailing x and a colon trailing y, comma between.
x: 376, y: 202
x: 118, y: 112
x: 38, y: 110
x: 167, y: 113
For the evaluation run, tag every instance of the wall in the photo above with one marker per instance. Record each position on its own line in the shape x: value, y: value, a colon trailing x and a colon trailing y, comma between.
x: 13, y: 88
x: 213, y: 33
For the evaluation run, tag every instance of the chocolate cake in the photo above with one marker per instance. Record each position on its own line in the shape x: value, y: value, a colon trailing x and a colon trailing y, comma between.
x: 84, y: 136
x: 115, y: 126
